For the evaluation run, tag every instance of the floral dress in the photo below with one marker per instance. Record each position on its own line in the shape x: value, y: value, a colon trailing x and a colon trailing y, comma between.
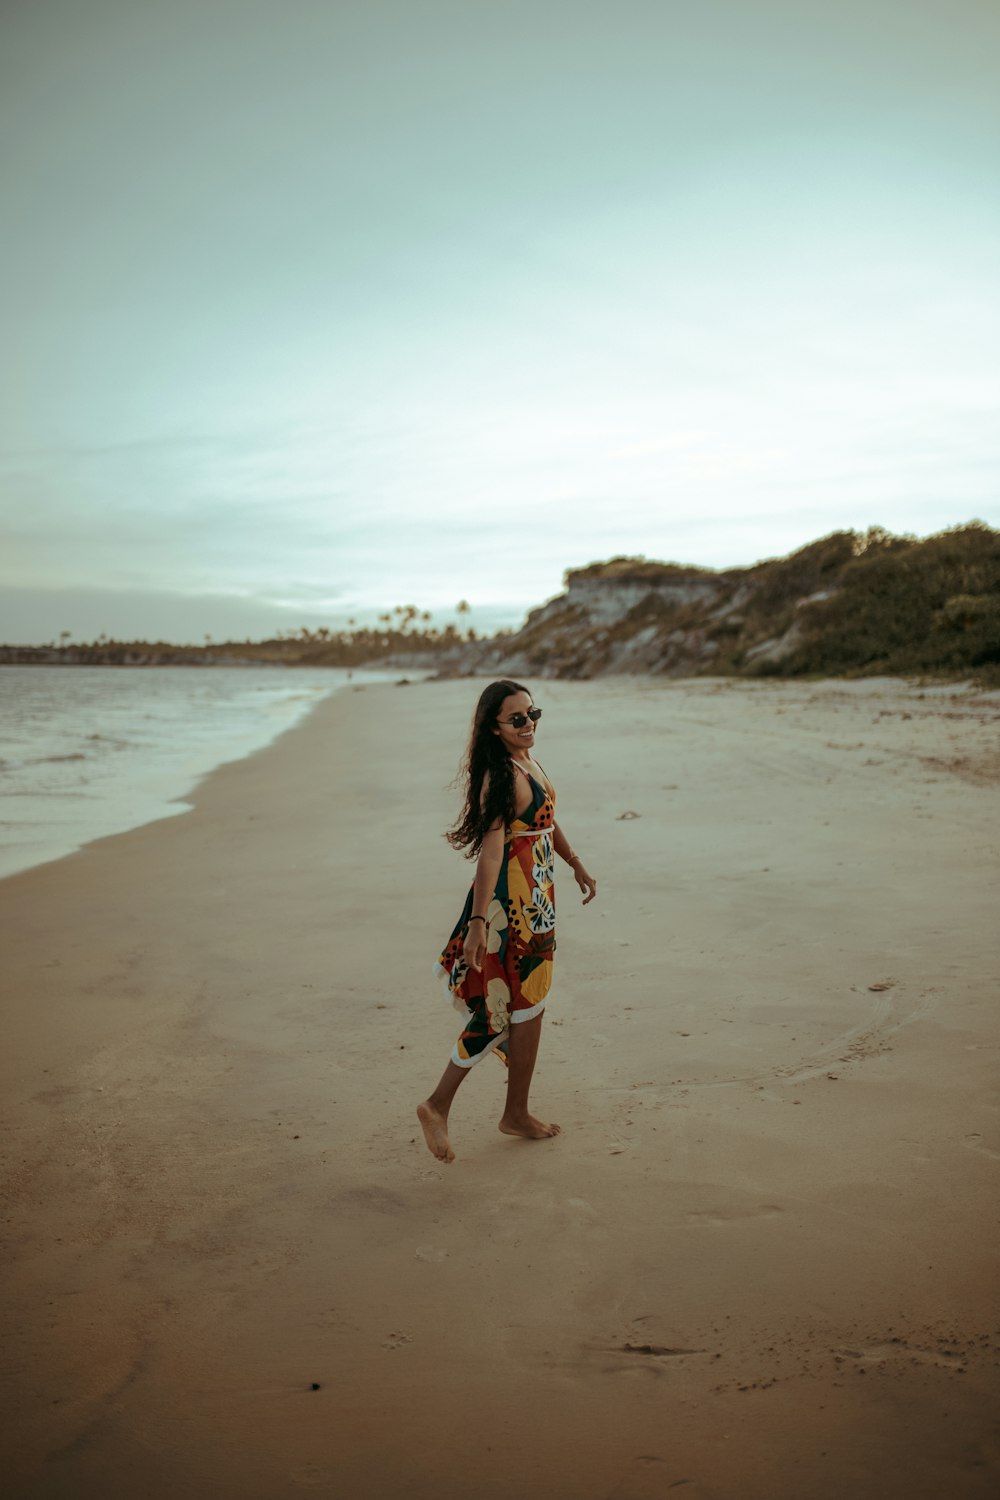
x: 514, y: 981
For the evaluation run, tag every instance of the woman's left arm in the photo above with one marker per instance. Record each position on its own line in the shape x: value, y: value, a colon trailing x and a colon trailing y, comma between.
x: 581, y: 875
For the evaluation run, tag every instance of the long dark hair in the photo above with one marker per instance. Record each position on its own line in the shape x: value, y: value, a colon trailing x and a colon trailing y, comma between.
x: 485, y: 755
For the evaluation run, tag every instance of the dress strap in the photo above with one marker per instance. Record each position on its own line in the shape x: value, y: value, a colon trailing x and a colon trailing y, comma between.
x: 546, y: 784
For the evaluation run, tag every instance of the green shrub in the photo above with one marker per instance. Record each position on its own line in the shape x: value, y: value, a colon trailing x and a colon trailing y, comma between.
x: 903, y: 605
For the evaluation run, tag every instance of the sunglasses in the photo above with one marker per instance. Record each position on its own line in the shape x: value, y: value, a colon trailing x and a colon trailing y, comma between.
x: 518, y: 721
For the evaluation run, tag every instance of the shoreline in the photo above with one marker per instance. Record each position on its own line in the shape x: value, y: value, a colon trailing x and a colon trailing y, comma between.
x: 150, y: 782
x: 754, y: 1262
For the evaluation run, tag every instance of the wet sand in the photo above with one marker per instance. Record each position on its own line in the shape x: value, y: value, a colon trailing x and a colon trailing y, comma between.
x: 760, y: 1261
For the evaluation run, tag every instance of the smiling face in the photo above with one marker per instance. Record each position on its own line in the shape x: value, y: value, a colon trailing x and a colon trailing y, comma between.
x: 515, y: 741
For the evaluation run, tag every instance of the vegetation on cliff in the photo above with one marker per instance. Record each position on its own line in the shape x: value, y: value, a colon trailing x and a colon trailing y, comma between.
x: 902, y: 605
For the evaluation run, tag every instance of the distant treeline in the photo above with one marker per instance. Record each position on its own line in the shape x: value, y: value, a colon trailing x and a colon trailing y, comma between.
x: 355, y: 647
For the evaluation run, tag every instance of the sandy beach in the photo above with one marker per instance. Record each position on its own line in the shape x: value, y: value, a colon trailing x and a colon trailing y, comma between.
x: 758, y: 1264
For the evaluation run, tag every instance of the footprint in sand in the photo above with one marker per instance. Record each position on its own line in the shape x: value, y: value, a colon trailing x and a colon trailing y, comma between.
x: 946, y: 1355
x: 658, y: 1351
x: 397, y: 1341
x: 974, y: 1142
x: 371, y: 1199
x: 721, y: 1216
x: 650, y: 1478
x: 429, y: 1253
x: 583, y: 1207
x: 312, y: 1477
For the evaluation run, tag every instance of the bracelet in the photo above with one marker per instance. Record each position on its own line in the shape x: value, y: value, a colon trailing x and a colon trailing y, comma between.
x: 476, y: 919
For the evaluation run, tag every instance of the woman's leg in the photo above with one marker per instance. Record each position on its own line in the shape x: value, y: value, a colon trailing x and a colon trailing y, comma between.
x: 522, y: 1049
x: 433, y: 1113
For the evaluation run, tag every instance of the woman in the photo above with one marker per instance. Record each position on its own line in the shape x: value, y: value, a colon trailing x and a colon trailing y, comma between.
x: 498, y: 961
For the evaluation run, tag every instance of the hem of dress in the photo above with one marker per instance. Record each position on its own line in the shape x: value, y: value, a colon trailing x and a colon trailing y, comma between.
x: 530, y: 1014
x: 470, y: 1062
x: 441, y: 974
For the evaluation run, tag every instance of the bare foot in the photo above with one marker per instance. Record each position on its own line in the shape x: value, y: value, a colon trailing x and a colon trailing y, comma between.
x: 435, y: 1128
x: 529, y: 1127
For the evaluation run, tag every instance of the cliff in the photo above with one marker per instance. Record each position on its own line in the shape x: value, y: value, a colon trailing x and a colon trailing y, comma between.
x: 849, y: 603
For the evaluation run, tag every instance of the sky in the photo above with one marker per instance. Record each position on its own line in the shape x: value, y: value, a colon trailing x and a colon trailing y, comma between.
x: 314, y: 308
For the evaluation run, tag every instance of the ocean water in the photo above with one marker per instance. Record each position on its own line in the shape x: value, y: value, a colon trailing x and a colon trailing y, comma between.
x: 90, y: 751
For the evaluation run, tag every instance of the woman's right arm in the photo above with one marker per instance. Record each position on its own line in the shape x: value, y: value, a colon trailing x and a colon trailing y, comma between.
x: 487, y: 870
